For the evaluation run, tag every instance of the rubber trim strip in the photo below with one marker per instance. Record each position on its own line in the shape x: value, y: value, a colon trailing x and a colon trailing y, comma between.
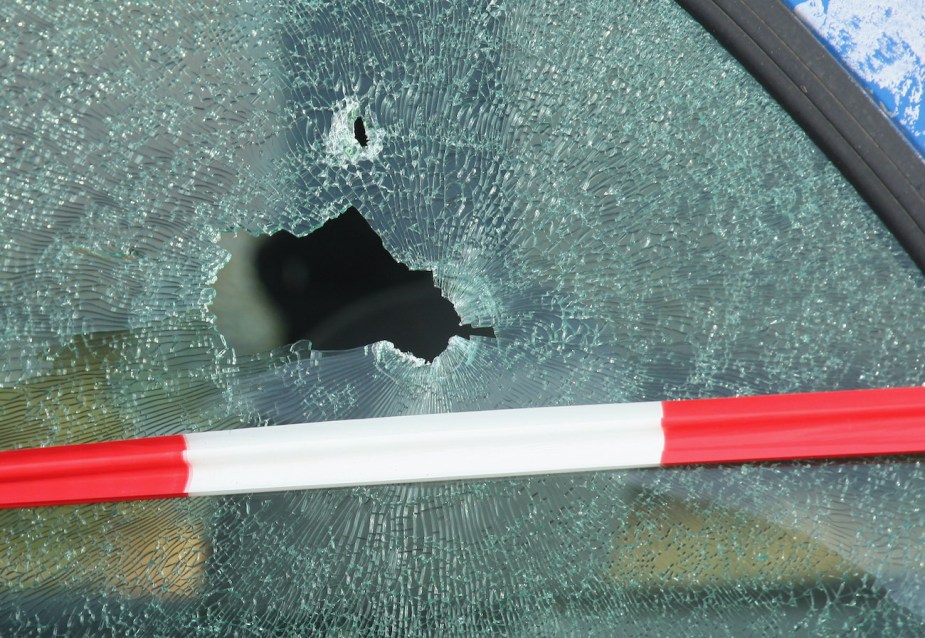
x: 771, y: 42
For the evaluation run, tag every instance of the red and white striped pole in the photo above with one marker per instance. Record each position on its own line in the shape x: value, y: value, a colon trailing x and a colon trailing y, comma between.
x: 469, y: 445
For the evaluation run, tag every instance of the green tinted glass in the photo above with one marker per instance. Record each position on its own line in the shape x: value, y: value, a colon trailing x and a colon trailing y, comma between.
x: 601, y: 184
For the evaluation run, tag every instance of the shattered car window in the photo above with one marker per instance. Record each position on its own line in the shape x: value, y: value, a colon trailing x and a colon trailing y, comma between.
x: 613, y: 207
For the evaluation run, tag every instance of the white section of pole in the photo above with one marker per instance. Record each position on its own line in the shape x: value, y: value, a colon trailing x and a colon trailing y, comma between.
x: 462, y: 445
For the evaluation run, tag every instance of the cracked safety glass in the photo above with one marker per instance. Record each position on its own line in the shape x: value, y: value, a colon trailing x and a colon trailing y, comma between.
x: 602, y: 187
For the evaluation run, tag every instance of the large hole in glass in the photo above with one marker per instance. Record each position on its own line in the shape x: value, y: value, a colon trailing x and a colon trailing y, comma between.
x: 339, y: 288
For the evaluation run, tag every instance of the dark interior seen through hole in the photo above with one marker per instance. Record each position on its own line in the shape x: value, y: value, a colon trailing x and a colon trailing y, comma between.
x: 340, y: 288
x: 359, y: 132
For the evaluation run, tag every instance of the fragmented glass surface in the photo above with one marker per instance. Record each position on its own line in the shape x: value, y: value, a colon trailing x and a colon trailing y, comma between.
x: 603, y: 185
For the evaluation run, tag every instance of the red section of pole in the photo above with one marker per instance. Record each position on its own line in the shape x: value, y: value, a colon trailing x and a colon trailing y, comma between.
x: 795, y: 426
x: 93, y: 472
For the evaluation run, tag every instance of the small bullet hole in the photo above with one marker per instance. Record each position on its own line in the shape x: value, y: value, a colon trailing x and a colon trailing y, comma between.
x: 340, y: 288
x: 359, y: 132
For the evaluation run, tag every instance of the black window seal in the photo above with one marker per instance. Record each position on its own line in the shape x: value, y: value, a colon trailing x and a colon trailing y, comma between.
x: 771, y: 42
